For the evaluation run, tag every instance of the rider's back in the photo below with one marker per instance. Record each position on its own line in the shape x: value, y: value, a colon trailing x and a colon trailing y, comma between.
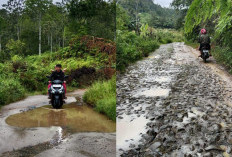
x: 204, y: 39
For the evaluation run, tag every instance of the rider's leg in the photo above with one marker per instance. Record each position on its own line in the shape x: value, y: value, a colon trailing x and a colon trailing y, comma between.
x: 65, y: 89
x: 49, y: 86
x: 200, y: 50
x: 210, y: 50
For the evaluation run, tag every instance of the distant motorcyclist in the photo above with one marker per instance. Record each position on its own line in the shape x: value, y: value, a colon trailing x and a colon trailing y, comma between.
x: 204, y: 41
x: 57, y: 74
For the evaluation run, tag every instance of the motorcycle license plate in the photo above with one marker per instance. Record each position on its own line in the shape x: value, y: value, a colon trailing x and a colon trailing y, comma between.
x: 206, y: 51
x: 56, y: 85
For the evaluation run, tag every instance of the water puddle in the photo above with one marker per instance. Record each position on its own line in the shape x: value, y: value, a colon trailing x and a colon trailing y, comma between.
x: 129, y: 131
x: 154, y: 92
x: 154, y: 57
x: 162, y: 79
x: 72, y: 118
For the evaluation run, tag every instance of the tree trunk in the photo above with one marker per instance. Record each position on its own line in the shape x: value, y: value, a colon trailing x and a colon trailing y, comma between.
x: 51, y: 43
x: 136, y: 16
x: 0, y: 43
x: 40, y: 34
x: 48, y: 40
x: 18, y: 32
x: 63, y: 39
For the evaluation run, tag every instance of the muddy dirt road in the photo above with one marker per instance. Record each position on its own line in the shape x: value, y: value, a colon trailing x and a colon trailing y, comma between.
x: 32, y: 128
x: 173, y: 104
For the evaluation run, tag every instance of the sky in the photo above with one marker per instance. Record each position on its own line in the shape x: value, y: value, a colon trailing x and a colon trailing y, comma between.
x: 163, y: 3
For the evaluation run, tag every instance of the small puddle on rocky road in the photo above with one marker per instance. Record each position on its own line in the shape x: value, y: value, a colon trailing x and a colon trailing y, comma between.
x: 72, y: 118
x: 154, y: 92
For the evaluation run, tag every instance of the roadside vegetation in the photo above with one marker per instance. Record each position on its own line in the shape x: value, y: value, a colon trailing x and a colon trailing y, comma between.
x: 136, y: 40
x: 65, y: 33
x: 102, y: 96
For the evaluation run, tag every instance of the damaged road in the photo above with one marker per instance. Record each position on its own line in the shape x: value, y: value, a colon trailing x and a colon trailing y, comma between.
x: 32, y: 128
x: 173, y: 104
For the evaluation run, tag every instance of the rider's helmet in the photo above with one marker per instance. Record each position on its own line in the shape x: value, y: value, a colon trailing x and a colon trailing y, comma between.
x: 203, y: 31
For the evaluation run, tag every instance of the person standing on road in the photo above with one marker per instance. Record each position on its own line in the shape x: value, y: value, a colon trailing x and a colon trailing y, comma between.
x: 204, y: 41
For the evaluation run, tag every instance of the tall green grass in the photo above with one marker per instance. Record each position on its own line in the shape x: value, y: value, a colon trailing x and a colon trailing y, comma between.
x: 102, y: 96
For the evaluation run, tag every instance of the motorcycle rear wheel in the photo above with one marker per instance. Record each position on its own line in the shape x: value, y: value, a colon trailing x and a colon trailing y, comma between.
x: 204, y: 59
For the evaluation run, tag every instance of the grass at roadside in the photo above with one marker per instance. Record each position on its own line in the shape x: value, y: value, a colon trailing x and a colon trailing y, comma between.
x: 192, y: 44
x: 223, y: 56
x: 102, y: 96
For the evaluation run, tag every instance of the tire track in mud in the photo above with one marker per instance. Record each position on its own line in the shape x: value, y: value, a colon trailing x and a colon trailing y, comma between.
x: 184, y: 107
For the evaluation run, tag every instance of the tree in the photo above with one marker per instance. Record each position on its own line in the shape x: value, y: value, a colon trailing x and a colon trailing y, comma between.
x: 145, y: 11
x: 3, y: 24
x: 53, y: 25
x: 63, y: 10
x: 181, y: 7
x: 97, y: 17
x: 37, y: 8
x: 15, y: 8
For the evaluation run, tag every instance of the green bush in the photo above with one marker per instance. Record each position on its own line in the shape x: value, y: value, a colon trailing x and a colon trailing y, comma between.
x: 11, y: 90
x: 16, y: 47
x: 102, y: 96
x: 223, y: 56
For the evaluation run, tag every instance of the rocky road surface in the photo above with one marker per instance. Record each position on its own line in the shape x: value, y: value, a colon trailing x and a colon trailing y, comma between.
x: 173, y: 104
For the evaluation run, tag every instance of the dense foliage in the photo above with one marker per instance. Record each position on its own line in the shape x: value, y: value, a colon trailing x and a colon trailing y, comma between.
x: 145, y: 11
x: 41, y: 25
x: 132, y: 45
x: 216, y: 17
x: 103, y: 96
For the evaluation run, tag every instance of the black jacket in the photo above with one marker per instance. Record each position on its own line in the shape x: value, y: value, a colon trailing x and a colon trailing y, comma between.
x: 57, y: 76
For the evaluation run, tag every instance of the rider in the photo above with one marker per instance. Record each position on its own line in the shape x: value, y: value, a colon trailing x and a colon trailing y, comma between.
x: 58, y: 74
x: 204, y: 41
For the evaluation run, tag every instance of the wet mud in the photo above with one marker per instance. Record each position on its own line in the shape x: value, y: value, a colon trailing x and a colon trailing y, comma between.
x: 190, y: 116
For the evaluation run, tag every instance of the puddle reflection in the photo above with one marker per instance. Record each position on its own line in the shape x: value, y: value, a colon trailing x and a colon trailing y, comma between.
x: 73, y: 118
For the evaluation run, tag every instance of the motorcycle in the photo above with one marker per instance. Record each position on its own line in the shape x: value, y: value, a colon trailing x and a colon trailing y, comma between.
x: 205, y: 54
x: 57, y: 93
